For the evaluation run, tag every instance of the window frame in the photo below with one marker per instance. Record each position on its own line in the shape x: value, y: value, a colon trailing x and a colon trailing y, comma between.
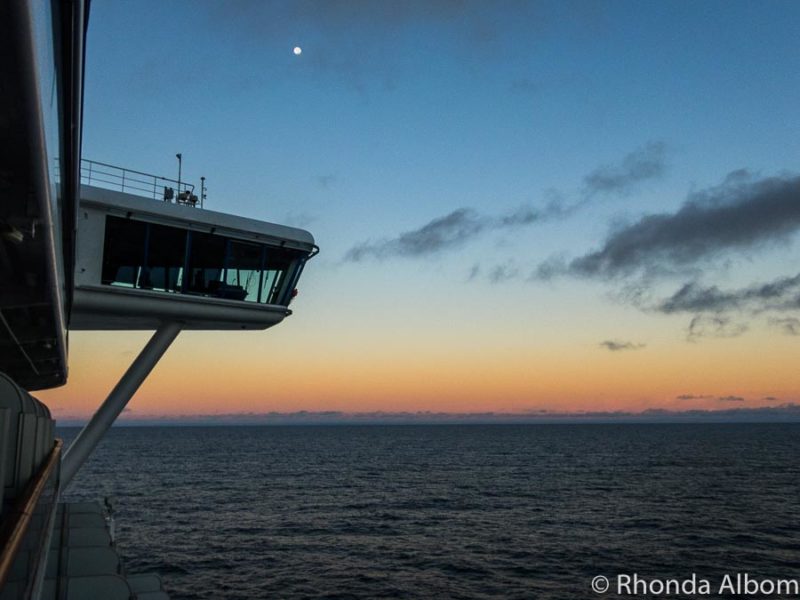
x: 280, y: 289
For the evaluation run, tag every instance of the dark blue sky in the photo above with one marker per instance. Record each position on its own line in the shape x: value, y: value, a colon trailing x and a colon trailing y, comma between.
x: 502, y: 181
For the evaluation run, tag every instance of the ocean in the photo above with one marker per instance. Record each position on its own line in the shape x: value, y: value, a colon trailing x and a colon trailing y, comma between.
x: 440, y: 511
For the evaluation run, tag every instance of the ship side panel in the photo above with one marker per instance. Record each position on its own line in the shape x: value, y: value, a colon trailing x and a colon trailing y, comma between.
x: 37, y: 58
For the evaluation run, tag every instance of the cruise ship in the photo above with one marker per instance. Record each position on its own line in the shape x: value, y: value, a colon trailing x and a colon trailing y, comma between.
x: 85, y: 245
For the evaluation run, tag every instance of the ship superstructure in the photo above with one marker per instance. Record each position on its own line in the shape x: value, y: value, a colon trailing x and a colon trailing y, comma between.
x: 86, y: 245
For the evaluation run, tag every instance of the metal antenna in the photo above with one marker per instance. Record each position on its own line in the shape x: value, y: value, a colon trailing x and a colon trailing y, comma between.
x: 179, y: 156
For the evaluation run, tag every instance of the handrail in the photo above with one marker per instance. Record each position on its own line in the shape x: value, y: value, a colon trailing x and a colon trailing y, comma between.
x: 102, y: 164
x: 154, y: 186
x: 14, y: 531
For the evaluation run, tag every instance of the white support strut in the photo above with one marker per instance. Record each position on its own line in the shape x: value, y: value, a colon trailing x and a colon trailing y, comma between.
x: 116, y: 401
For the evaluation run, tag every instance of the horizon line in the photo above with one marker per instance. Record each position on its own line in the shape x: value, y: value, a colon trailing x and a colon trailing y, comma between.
x: 784, y: 413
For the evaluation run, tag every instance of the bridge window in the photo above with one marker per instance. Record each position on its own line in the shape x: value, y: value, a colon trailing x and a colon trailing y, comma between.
x: 123, y: 253
x: 206, y: 264
x: 276, y: 265
x: 166, y: 254
x: 243, y: 270
x: 160, y: 258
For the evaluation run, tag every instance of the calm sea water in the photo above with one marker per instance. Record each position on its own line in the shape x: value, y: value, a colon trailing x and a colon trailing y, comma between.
x: 530, y: 511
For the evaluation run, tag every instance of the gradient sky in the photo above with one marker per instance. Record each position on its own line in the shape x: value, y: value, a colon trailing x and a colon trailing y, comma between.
x: 522, y: 206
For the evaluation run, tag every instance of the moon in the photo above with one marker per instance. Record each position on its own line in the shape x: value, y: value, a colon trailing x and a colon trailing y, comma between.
x: 297, y: 50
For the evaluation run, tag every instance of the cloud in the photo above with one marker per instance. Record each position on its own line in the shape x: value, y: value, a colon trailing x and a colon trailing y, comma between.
x: 714, y: 326
x: 463, y: 224
x: 452, y: 230
x: 714, y: 309
x: 691, y: 297
x: 647, y: 162
x: 716, y: 313
x: 550, y: 268
x: 770, y: 399
x: 618, y: 346
x: 524, y: 86
x: 474, y: 271
x: 326, y: 181
x: 730, y: 399
x: 741, y: 214
x: 779, y: 294
x: 501, y: 273
x: 789, y: 325
x: 693, y: 397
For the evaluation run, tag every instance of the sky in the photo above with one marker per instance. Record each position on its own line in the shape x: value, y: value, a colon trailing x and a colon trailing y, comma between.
x: 522, y: 207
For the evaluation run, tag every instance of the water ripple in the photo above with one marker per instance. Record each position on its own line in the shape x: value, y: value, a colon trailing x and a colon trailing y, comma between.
x: 467, y: 512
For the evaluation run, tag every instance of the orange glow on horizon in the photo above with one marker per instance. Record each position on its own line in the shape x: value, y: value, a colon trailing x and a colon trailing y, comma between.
x: 284, y: 375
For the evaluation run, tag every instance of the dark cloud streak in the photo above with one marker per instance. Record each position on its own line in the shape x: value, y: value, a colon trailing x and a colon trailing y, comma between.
x: 647, y: 162
x: 780, y: 294
x: 788, y: 325
x: 501, y: 273
x: 619, y: 346
x: 326, y: 181
x: 741, y: 214
x: 464, y: 224
x: 714, y: 326
x: 450, y: 231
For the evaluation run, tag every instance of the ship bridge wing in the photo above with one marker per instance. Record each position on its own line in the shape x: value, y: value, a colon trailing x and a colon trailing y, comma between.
x: 142, y: 262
